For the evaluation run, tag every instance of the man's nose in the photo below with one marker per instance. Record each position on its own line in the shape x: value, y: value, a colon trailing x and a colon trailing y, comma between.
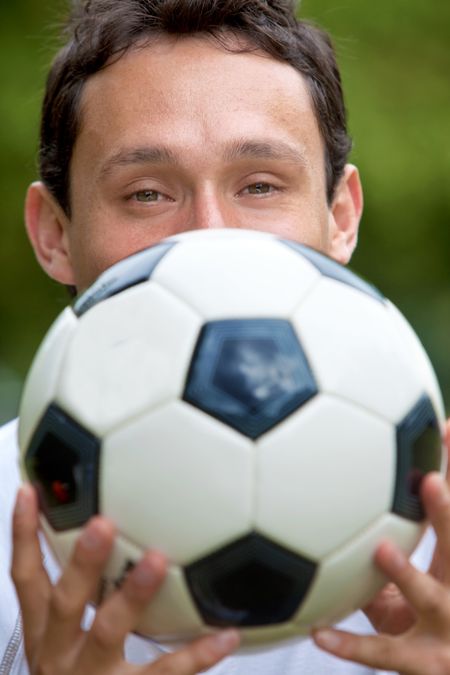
x: 211, y: 211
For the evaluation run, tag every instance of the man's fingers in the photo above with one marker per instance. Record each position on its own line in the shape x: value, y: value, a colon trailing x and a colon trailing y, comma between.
x: 76, y: 587
x: 375, y: 651
x: 436, y: 497
x: 55, y: 612
x: 27, y: 570
x: 447, y: 443
x: 420, y: 656
x: 421, y: 590
x: 200, y: 655
x: 119, y: 614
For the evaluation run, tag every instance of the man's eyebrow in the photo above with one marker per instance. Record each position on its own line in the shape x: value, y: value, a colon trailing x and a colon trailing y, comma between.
x: 237, y: 150
x: 261, y: 149
x: 141, y: 155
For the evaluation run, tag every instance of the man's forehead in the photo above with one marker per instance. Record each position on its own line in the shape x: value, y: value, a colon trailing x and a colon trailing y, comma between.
x: 166, y: 56
x: 157, y: 101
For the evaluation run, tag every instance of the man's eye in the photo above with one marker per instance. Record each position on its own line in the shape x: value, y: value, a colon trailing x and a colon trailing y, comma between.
x: 147, y: 196
x: 259, y: 189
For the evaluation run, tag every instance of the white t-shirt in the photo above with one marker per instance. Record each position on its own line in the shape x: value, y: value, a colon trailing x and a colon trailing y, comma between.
x: 299, y: 657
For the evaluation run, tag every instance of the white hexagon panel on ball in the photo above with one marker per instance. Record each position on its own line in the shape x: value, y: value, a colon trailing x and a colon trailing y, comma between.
x: 42, y: 380
x: 413, y: 348
x: 347, y: 579
x: 190, y: 475
x: 129, y: 354
x: 354, y: 350
x: 259, y: 277
x: 324, y: 475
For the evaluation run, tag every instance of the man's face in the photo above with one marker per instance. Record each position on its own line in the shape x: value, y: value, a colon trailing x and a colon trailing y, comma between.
x: 184, y: 135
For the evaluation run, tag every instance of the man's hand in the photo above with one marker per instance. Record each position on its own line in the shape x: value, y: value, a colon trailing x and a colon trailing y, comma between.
x: 413, y: 612
x: 55, y: 644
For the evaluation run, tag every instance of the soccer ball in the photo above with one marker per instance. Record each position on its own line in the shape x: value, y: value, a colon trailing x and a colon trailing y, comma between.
x: 249, y: 407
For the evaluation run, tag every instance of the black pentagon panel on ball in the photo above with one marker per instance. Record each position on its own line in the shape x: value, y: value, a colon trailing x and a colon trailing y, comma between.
x: 334, y: 270
x: 130, y: 271
x: 62, y: 461
x: 419, y: 451
x: 249, y: 373
x: 250, y: 582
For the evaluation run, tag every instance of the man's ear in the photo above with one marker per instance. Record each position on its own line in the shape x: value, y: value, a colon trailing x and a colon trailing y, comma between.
x: 47, y: 226
x: 346, y: 211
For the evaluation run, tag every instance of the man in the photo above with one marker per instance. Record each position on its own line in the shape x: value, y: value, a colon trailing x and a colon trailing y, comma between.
x: 165, y: 116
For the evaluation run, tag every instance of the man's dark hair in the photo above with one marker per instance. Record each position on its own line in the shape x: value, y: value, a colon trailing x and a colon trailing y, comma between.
x: 100, y: 31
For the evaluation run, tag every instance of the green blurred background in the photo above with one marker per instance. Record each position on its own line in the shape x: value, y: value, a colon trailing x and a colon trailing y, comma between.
x: 395, y: 62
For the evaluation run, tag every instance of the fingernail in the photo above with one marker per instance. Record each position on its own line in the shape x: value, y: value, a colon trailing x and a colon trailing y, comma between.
x: 91, y: 538
x: 398, y: 559
x: 442, y: 496
x: 327, y: 639
x: 144, y: 575
x: 227, y: 641
x: 22, y: 500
